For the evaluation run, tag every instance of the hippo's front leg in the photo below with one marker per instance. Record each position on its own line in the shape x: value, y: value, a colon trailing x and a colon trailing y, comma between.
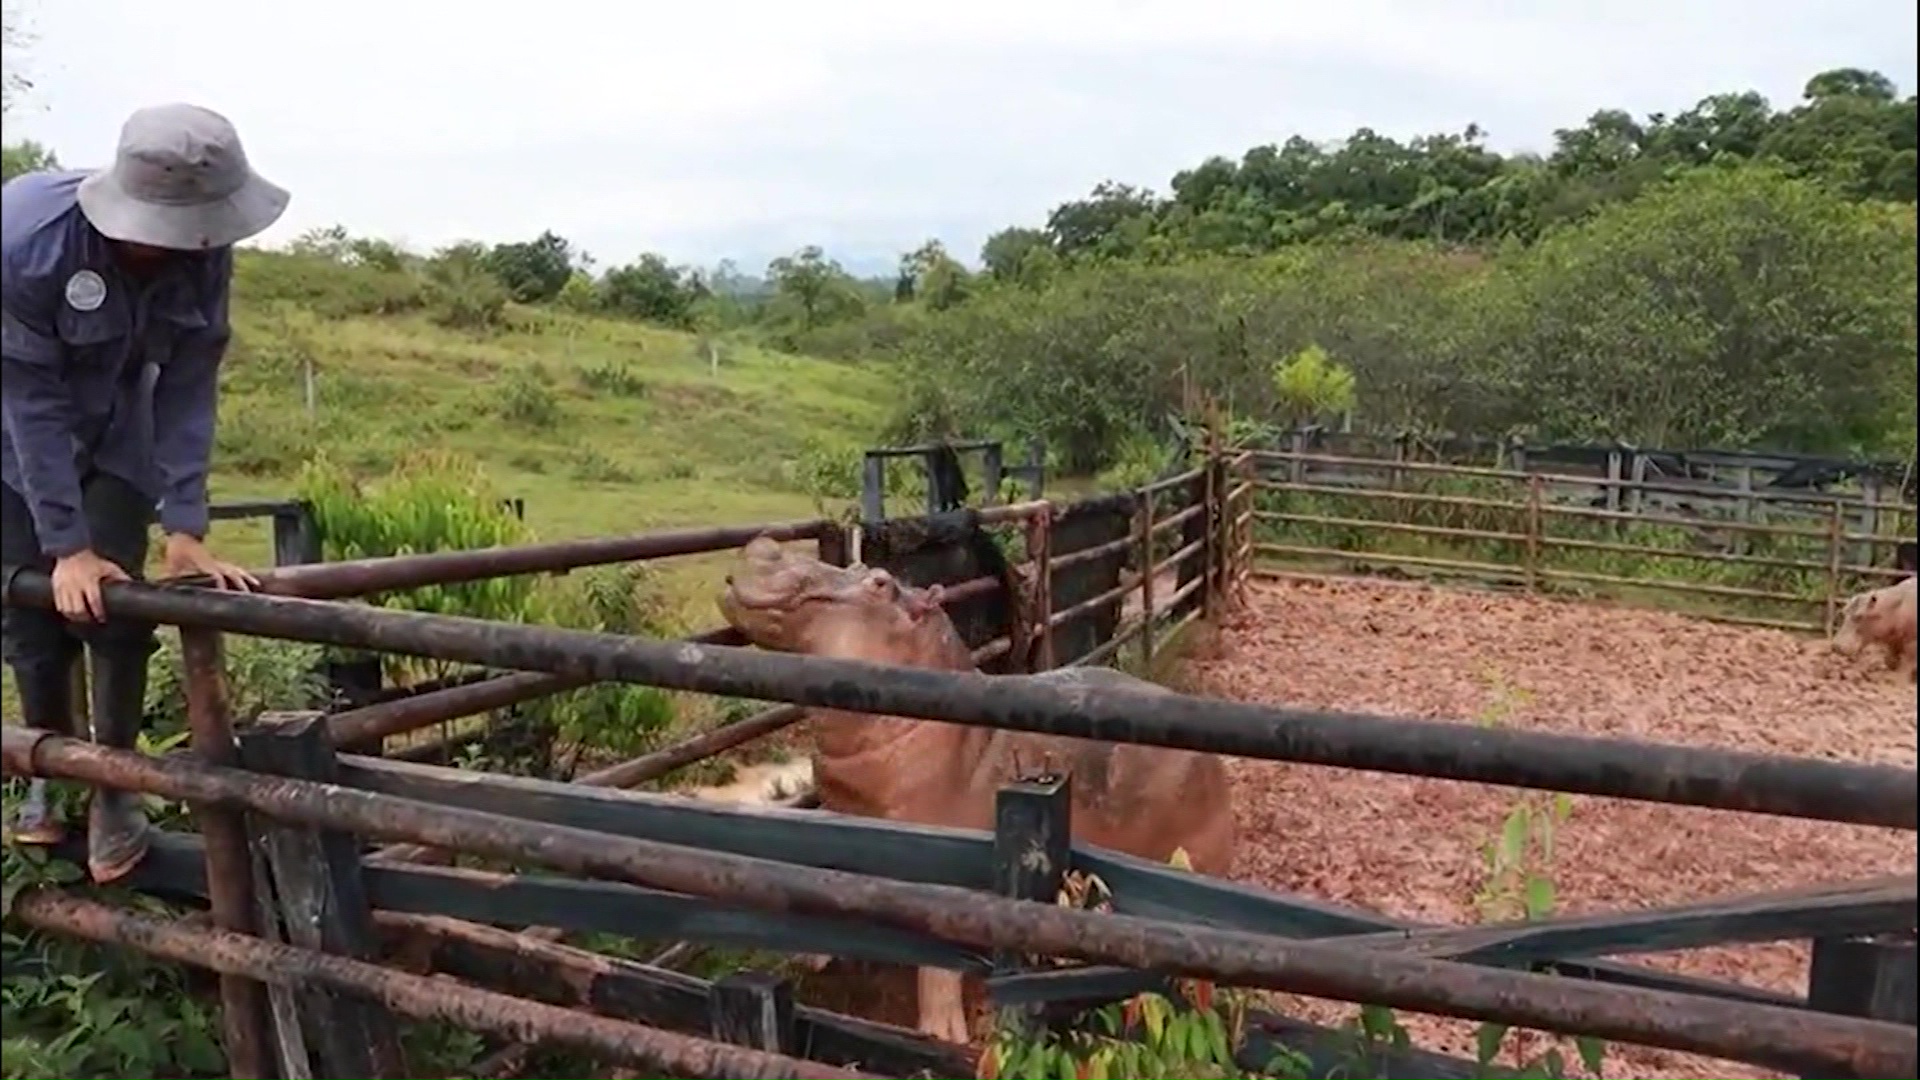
x: 943, y: 1009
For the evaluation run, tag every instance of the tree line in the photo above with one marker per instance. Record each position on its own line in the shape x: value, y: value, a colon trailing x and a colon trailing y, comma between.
x: 1731, y: 275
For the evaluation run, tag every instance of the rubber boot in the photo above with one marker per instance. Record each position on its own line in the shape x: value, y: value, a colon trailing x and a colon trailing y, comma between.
x: 46, y: 703
x: 118, y: 833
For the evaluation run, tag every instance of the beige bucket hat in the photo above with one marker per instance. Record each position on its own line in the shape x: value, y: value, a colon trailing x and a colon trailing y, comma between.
x: 180, y: 180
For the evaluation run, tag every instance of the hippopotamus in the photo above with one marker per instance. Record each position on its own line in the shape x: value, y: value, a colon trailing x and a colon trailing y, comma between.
x: 1883, y: 617
x: 1145, y: 801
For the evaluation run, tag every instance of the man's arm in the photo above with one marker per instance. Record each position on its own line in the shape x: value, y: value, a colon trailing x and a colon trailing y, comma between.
x: 40, y: 416
x: 185, y: 405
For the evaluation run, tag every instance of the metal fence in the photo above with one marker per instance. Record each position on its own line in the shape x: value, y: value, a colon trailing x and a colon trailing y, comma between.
x: 319, y: 943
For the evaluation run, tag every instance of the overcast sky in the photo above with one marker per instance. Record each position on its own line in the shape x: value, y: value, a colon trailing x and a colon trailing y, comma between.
x: 705, y: 129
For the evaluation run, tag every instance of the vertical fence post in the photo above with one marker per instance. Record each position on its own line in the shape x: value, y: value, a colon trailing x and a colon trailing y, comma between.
x: 1297, y: 446
x: 1871, y: 977
x: 1213, y: 551
x: 243, y: 1007
x: 322, y: 898
x: 873, y: 488
x: 1613, y: 487
x: 1637, y: 494
x: 1226, y: 536
x: 831, y: 545
x: 1870, y: 518
x: 296, y: 538
x: 752, y: 1009
x: 1032, y: 850
x: 1040, y: 555
x: 992, y: 468
x: 1146, y: 582
x: 1534, y: 525
x: 1836, y: 543
x: 1250, y: 473
x: 1742, y: 538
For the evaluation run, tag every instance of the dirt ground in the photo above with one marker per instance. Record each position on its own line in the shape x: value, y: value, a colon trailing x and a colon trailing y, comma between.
x: 1414, y: 847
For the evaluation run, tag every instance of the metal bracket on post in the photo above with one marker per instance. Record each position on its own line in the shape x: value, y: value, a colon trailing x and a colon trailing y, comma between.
x: 1032, y: 849
x: 1870, y: 977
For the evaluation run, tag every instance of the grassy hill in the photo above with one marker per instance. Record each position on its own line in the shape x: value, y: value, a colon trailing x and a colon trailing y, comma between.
x: 602, y: 426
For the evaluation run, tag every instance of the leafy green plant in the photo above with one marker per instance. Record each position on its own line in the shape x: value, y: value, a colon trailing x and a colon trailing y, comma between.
x: 614, y: 377
x: 74, y: 1008
x: 1197, y: 1032
x: 430, y: 501
x: 1310, y: 384
x: 526, y: 399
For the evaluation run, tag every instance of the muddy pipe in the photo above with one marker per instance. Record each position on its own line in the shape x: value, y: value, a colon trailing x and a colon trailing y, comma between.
x: 361, y: 577
x: 1578, y: 764
x: 419, y: 996
x: 1792, y: 1040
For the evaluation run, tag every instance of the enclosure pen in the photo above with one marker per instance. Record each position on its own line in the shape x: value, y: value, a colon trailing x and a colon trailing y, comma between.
x: 284, y: 805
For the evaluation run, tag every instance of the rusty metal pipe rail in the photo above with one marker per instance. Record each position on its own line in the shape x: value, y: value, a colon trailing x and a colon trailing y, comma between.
x: 361, y: 577
x: 350, y: 727
x: 1584, y: 765
x: 1793, y: 1040
x: 412, y: 995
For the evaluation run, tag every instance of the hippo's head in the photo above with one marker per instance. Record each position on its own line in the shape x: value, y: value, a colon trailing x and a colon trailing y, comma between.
x: 1881, y: 616
x: 791, y: 602
x: 1860, y: 620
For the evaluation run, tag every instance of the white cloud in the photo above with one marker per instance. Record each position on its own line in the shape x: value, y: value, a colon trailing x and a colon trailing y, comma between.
x: 745, y: 128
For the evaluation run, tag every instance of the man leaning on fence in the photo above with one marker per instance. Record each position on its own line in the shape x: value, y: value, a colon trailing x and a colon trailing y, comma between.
x: 114, y: 320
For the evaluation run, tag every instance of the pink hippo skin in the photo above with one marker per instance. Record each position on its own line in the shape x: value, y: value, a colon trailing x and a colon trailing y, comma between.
x: 1883, y: 617
x: 1142, y: 800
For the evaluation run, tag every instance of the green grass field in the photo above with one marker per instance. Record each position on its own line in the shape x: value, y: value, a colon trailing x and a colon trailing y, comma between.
x: 603, y: 427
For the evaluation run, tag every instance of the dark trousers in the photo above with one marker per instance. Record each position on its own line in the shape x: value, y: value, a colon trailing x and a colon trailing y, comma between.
x: 39, y: 644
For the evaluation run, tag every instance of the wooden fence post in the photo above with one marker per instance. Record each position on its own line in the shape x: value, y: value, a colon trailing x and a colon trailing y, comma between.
x: 322, y: 899
x: 1871, y: 521
x: 1836, y: 543
x: 1870, y: 977
x: 1613, y: 486
x: 1040, y: 554
x: 1743, y: 539
x: 754, y: 1009
x: 1211, y: 566
x: 1032, y: 849
x: 1534, y: 525
x: 1637, y: 494
x: 1146, y: 583
x: 243, y: 1002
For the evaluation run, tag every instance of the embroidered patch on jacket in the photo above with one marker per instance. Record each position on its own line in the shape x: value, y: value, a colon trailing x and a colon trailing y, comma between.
x: 86, y: 291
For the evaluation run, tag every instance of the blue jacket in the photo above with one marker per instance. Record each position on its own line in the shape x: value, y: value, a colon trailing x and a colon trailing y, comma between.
x: 101, y: 371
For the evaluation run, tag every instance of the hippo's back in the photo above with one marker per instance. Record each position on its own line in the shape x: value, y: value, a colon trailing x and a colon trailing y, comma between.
x: 1142, y: 800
